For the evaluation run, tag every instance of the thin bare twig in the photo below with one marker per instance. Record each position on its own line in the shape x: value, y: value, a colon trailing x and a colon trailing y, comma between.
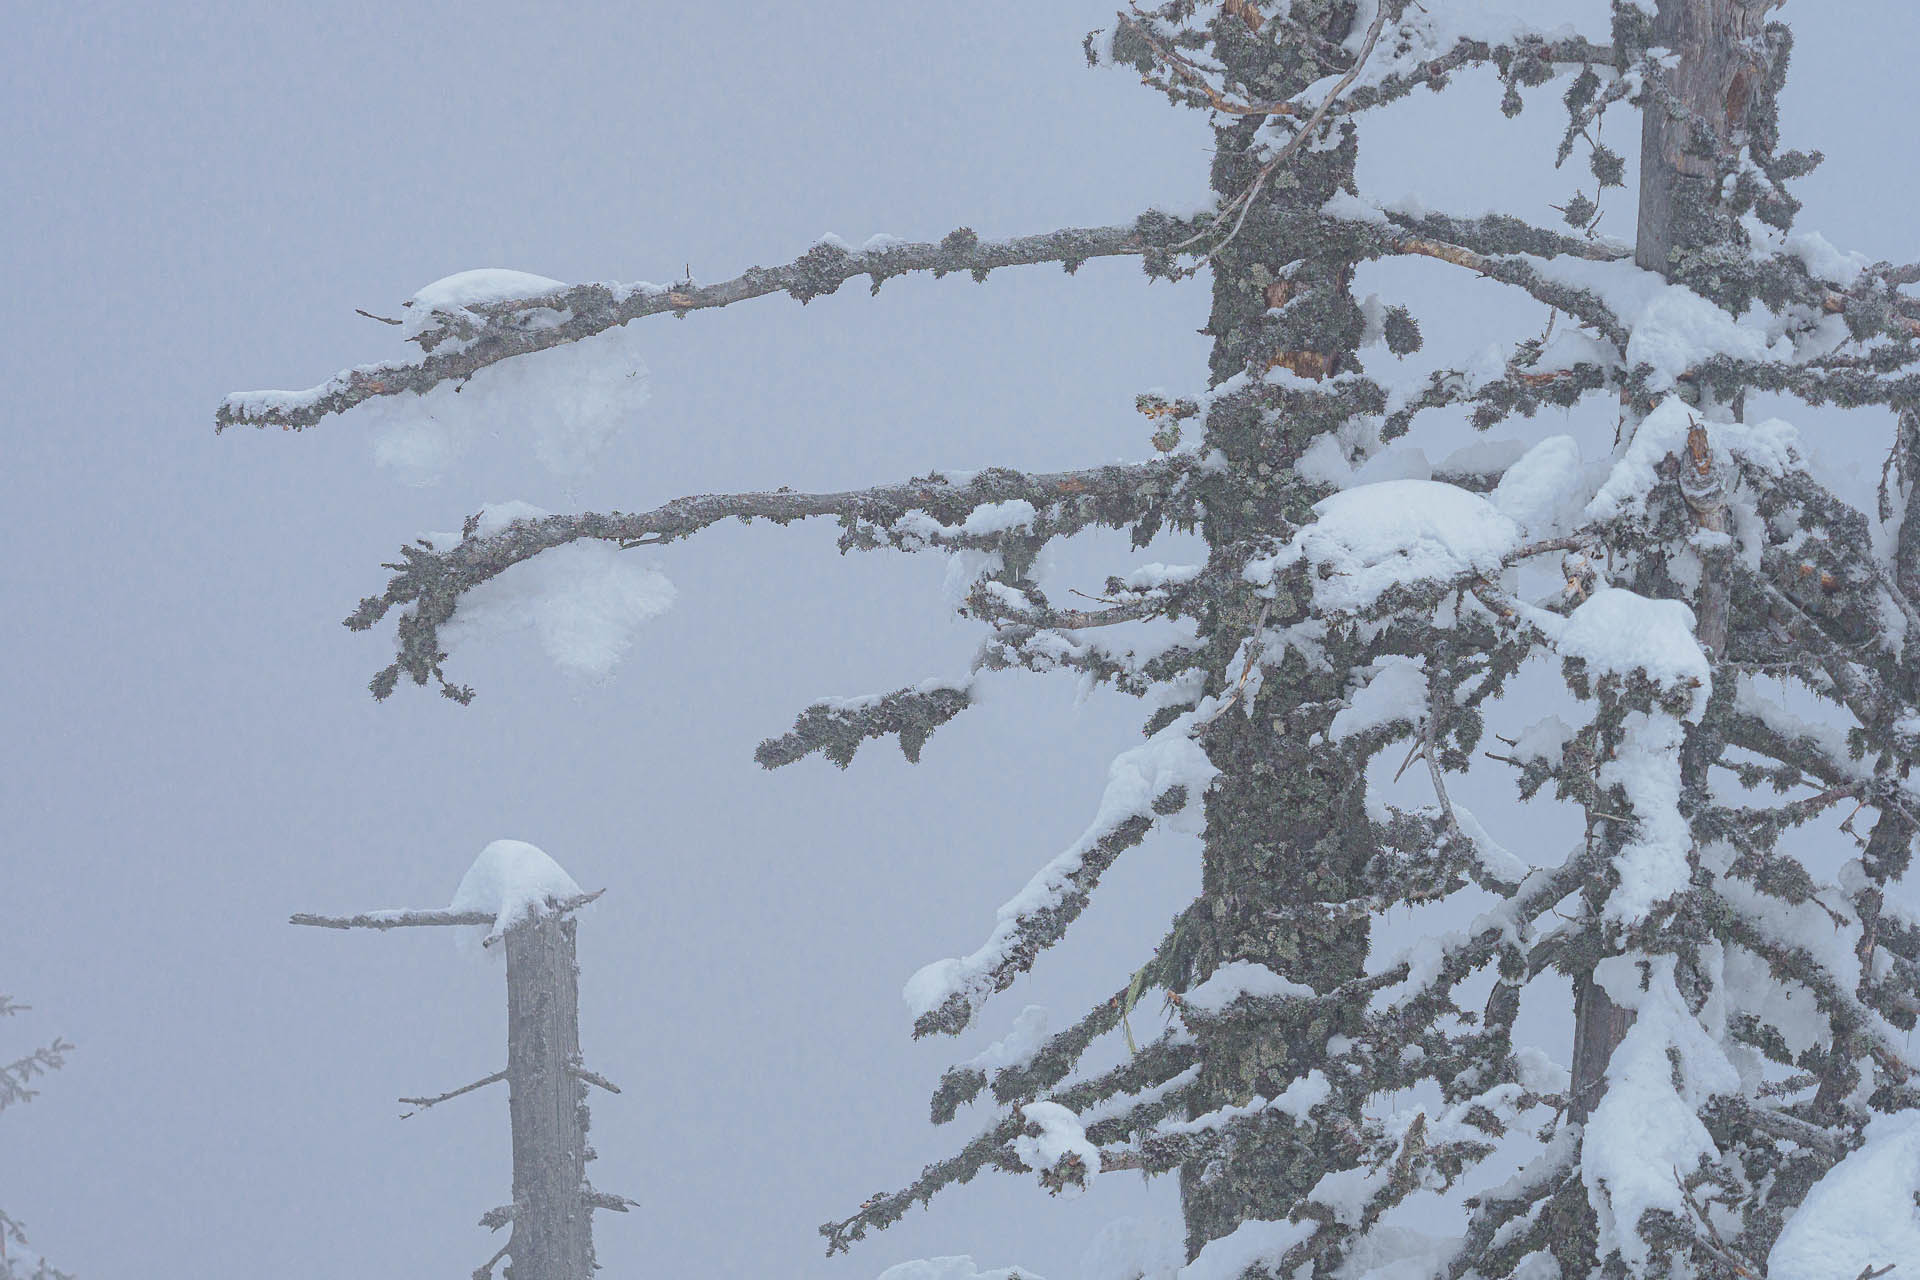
x: 421, y: 1104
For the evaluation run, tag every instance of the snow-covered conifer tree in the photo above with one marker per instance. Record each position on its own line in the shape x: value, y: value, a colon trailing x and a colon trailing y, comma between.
x: 1718, y: 641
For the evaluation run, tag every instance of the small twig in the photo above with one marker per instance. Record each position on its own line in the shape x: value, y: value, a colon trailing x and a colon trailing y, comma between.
x: 485, y: 1270
x: 359, y: 311
x: 421, y: 1104
x: 1430, y: 749
x: 1714, y: 1244
x: 1413, y: 751
x: 593, y: 1078
x: 1246, y: 669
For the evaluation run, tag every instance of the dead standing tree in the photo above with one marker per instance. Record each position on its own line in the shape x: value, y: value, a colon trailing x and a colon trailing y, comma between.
x: 1746, y: 974
x: 553, y: 1202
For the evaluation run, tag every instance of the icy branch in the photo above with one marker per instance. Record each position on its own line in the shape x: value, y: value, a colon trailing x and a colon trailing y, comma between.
x: 594, y: 308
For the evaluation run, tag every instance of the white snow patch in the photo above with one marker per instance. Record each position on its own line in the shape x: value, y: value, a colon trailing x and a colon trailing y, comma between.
x: 1772, y: 445
x: 1246, y: 1246
x: 512, y: 879
x: 1544, y: 491
x: 1824, y: 262
x: 467, y: 289
x: 1060, y: 1137
x: 1861, y: 1214
x: 953, y: 1268
x: 1374, y: 537
x: 1619, y: 632
x: 1679, y: 329
x: 1018, y: 1047
x: 569, y: 402
x: 1238, y: 978
x: 584, y: 599
x: 1396, y: 689
x: 1646, y: 1127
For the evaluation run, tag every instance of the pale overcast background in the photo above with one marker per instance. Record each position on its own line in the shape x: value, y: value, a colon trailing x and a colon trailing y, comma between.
x: 196, y: 198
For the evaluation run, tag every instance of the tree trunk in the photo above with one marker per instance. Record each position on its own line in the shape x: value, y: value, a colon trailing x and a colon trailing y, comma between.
x: 1287, y: 837
x: 1722, y: 64
x: 552, y: 1222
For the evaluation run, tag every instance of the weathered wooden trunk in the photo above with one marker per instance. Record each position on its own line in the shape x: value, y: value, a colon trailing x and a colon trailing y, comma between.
x: 552, y: 1221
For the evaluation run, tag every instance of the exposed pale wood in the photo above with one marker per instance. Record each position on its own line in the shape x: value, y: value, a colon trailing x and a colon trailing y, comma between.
x: 552, y: 1221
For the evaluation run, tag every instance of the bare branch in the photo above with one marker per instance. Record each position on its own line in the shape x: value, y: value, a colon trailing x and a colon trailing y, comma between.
x: 607, y: 1200
x: 1065, y: 502
x: 594, y: 308
x: 406, y: 919
x: 421, y: 1104
x: 591, y: 1077
x: 485, y: 1270
x: 1518, y: 272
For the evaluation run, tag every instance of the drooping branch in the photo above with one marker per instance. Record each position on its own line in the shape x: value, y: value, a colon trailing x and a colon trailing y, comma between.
x: 1019, y: 940
x: 433, y: 581
x: 1056, y: 1059
x: 457, y: 348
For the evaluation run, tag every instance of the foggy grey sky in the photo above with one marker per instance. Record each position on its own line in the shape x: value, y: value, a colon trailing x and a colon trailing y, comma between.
x: 198, y: 197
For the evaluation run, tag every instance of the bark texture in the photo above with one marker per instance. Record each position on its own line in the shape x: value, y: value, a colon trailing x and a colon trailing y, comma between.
x: 1287, y: 838
x: 552, y: 1217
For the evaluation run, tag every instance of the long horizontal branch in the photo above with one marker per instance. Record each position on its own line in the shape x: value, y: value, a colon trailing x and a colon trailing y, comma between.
x: 594, y: 308
x: 432, y: 581
x: 407, y: 919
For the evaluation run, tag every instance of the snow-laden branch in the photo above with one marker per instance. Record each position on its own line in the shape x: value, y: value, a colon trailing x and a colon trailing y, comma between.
x: 1161, y: 779
x: 977, y: 511
x: 462, y: 340
x: 1032, y: 1070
